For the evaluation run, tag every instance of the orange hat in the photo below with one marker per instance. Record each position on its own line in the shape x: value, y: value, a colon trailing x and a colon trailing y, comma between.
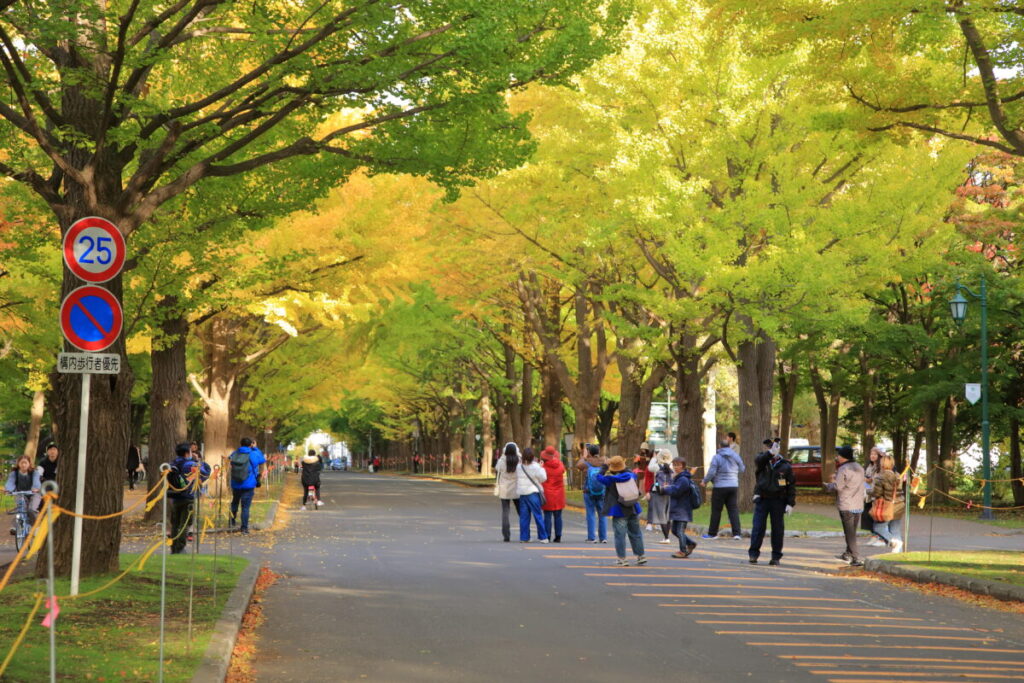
x: 617, y: 464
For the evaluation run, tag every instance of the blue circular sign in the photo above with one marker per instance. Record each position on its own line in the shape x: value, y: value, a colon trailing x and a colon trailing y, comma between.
x: 91, y: 318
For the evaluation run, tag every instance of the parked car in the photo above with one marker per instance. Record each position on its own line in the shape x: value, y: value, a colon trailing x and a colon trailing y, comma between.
x: 806, y: 462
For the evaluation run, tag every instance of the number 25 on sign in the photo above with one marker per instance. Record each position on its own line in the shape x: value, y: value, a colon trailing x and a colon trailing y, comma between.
x: 94, y: 249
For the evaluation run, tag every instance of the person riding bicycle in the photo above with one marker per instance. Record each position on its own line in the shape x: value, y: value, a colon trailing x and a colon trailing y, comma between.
x: 26, y: 478
x: 311, y: 467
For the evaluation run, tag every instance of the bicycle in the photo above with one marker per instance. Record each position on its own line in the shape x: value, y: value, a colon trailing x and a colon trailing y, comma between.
x: 311, y: 498
x: 21, y: 523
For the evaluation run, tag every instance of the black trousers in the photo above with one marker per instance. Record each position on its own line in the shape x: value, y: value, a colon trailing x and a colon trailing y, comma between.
x: 505, y: 527
x: 726, y: 496
x: 765, y: 508
x: 851, y: 523
x: 179, y: 512
x: 305, y: 492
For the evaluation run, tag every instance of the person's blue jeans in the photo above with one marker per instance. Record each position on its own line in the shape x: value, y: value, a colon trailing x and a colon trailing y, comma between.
x: 555, y: 517
x: 890, y: 530
x: 765, y: 508
x: 628, y: 525
x: 243, y: 496
x: 597, y: 524
x: 530, y: 506
x: 679, y: 530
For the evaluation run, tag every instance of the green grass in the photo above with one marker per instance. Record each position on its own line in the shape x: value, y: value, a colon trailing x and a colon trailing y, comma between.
x: 993, y: 565
x: 1007, y: 520
x: 114, y: 635
x: 797, y: 521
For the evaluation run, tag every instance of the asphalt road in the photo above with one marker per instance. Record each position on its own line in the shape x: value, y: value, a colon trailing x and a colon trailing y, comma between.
x: 407, y: 580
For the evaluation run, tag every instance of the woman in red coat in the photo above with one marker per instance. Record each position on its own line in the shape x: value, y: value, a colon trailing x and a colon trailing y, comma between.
x: 554, y: 492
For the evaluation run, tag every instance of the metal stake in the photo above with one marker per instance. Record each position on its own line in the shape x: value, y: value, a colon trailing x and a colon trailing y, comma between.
x: 51, y: 487
x: 83, y: 442
x: 165, y: 467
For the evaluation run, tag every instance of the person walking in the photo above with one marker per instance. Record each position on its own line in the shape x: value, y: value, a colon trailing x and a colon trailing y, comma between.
x: 248, y: 465
x: 590, y: 464
x: 887, y: 487
x: 679, y: 492
x: 506, y: 485
x: 182, y: 493
x: 131, y: 465
x: 529, y: 478
x: 48, y: 464
x: 774, y: 498
x: 658, y: 503
x: 623, y: 504
x: 848, y: 485
x: 870, y: 470
x: 554, y: 493
x: 312, y: 466
x: 723, y: 476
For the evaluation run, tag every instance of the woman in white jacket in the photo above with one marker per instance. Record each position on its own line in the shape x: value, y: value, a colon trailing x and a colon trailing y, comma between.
x: 506, y: 484
x: 529, y: 478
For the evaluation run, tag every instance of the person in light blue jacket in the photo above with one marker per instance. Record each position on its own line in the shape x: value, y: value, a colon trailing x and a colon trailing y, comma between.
x: 724, y: 475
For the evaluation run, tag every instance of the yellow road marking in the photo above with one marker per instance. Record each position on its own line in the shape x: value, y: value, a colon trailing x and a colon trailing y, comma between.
x: 907, y: 674
x: 779, y: 612
x: 708, y: 585
x: 737, y: 597
x: 852, y: 635
x: 917, y: 665
x: 847, y: 646
x: 835, y: 623
x: 783, y: 614
x: 890, y: 680
x: 912, y: 660
x: 647, y: 575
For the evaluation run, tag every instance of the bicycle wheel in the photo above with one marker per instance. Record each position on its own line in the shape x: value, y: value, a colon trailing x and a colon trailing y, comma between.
x: 20, y: 531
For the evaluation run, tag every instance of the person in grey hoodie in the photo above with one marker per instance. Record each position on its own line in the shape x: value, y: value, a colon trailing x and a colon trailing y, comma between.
x: 848, y: 484
x: 724, y: 474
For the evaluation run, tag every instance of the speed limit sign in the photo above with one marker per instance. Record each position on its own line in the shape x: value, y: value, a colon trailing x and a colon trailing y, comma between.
x: 94, y: 249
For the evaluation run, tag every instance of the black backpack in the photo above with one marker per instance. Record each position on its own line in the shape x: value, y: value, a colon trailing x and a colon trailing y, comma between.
x: 240, y: 469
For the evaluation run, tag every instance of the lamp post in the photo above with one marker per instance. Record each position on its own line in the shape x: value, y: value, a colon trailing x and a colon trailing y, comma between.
x: 958, y: 308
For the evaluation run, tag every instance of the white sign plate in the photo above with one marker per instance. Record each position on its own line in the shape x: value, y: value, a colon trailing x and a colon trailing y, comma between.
x: 972, y: 392
x: 89, y: 363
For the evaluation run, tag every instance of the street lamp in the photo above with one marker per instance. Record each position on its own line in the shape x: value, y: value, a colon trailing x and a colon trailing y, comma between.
x: 958, y: 308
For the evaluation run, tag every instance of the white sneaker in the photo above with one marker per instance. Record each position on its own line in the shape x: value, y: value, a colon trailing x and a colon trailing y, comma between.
x: 544, y: 540
x: 303, y: 507
x: 896, y: 545
x: 737, y: 538
x: 650, y: 528
x: 665, y: 540
x: 319, y: 503
x: 876, y: 543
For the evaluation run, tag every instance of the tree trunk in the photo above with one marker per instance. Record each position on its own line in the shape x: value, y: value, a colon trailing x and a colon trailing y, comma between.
x: 827, y: 400
x: 220, y: 355
x: 788, y: 380
x: 552, y: 417
x: 170, y: 395
x: 487, y: 432
x: 870, y: 389
x: 1016, y: 470
x: 931, y: 444
x: 522, y: 414
x: 469, y: 449
x: 946, y: 459
x: 636, y: 393
x: 915, y: 455
x: 689, y: 398
x: 756, y: 371
x: 108, y: 441
x: 35, y: 424
x: 455, y: 429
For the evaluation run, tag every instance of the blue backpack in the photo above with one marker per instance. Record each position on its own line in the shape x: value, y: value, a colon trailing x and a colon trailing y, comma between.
x: 593, y: 486
x: 695, y: 497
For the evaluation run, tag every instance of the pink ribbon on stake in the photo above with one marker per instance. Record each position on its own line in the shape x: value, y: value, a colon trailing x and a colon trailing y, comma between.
x: 51, y: 616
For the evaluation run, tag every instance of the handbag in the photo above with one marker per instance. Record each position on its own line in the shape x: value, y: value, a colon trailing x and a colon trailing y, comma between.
x: 540, y: 490
x: 883, y: 510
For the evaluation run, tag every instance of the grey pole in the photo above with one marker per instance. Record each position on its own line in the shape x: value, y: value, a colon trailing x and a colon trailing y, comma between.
x: 51, y: 487
x: 163, y: 580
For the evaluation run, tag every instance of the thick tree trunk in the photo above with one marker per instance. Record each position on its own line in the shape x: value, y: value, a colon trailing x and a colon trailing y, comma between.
x: 552, y: 416
x: 35, y: 424
x: 869, y: 382
x: 946, y: 459
x: 522, y: 414
x: 756, y: 372
x: 455, y: 431
x: 486, y: 432
x: 931, y: 443
x: 827, y: 400
x: 108, y: 440
x: 636, y: 393
x: 915, y: 454
x: 788, y: 380
x: 469, y: 449
x: 605, y: 421
x: 689, y: 398
x: 170, y: 395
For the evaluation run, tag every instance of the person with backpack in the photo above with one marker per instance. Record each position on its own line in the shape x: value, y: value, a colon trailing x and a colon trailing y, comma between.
x: 593, y: 493
x: 182, y: 491
x: 311, y: 468
x: 723, y: 475
x: 622, y: 502
x: 660, y: 472
x: 774, y: 497
x: 685, y: 497
x: 247, y: 468
x: 506, y: 485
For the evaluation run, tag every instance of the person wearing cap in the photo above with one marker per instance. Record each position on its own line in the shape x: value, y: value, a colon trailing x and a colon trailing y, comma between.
x: 774, y: 498
x: 593, y: 493
x: 848, y: 485
x: 183, y: 500
x: 625, y: 518
x: 554, y: 492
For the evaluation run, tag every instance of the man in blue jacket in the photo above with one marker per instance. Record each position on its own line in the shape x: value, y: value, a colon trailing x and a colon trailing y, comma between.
x: 625, y: 516
x: 182, y: 491
x: 247, y: 465
x: 680, y: 511
x: 724, y: 475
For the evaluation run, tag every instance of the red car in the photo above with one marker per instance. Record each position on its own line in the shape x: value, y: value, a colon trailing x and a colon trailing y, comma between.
x: 806, y: 462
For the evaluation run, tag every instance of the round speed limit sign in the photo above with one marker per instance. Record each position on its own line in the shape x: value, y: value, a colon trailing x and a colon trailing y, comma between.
x: 94, y: 249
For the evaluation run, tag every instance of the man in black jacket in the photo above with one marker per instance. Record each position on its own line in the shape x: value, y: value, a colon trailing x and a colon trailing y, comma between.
x: 774, y: 496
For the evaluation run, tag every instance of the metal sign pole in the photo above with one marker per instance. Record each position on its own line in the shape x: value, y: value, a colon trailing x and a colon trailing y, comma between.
x: 83, y: 441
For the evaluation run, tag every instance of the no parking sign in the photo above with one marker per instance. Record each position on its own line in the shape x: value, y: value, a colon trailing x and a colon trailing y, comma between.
x: 91, y: 318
